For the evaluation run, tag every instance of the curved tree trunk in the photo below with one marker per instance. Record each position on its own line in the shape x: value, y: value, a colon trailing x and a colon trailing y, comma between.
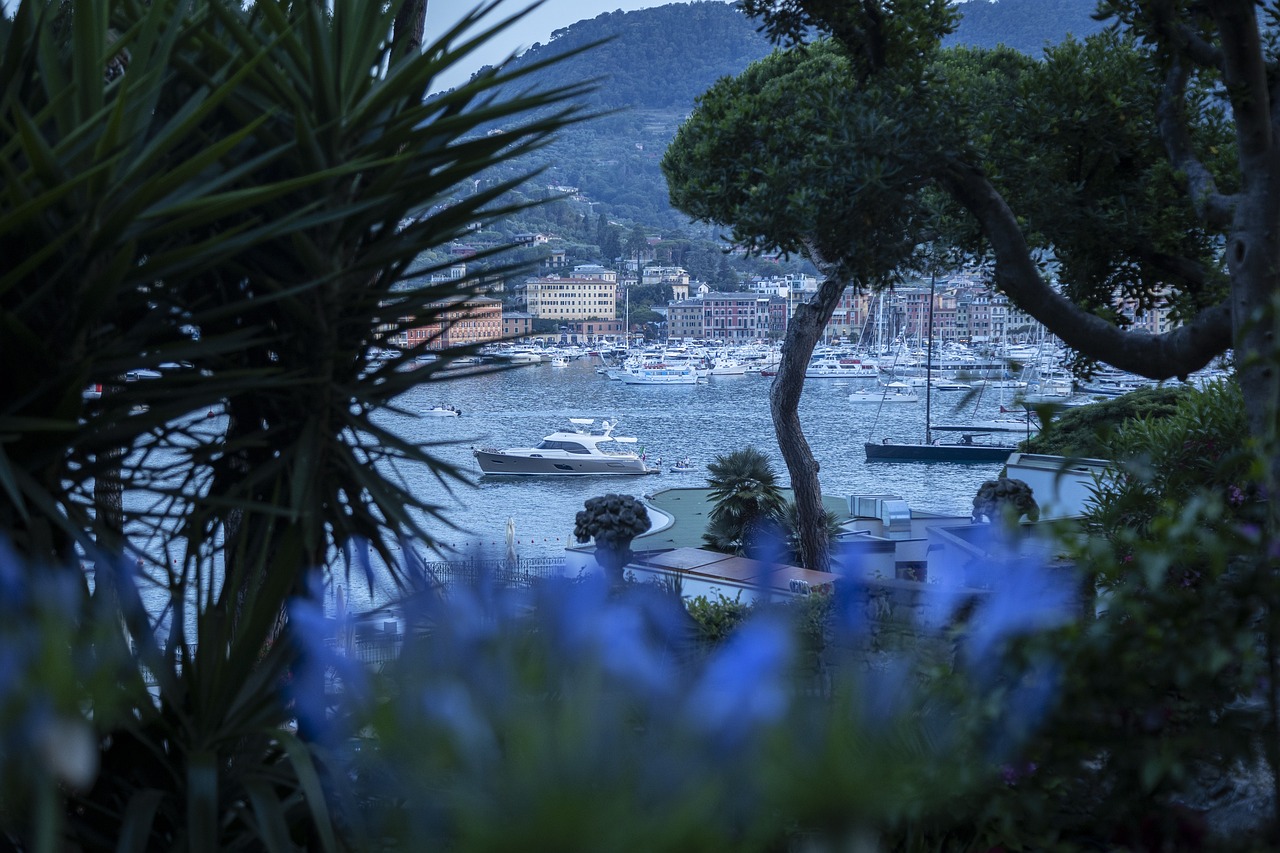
x: 804, y: 330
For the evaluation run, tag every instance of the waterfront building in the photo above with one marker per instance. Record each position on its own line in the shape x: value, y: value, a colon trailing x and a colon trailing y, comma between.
x: 516, y: 324
x: 573, y: 298
x: 591, y: 331
x: 464, y: 320
x: 731, y: 317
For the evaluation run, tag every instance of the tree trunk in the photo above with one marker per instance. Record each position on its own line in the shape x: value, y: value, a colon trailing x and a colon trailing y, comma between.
x: 804, y: 331
x: 407, y: 31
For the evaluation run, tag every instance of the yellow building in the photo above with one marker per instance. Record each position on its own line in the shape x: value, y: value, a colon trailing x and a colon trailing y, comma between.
x: 575, y: 298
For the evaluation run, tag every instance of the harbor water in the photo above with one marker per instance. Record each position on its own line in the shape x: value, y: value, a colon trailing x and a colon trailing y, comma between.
x: 517, y: 407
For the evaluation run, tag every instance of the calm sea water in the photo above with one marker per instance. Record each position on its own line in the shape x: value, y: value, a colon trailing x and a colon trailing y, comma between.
x: 520, y: 406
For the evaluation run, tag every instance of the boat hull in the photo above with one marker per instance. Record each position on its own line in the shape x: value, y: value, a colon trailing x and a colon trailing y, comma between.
x: 891, y: 452
x: 496, y: 462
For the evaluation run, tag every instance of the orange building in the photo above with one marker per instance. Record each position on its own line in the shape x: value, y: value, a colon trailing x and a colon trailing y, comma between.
x: 464, y: 321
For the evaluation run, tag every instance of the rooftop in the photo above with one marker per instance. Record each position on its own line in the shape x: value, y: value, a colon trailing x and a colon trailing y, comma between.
x: 686, y: 511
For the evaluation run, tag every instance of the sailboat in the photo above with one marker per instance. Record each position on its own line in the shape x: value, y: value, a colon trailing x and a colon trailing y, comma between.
x: 964, y: 450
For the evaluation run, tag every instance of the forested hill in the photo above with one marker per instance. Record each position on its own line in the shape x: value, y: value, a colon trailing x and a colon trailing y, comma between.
x: 1025, y: 25
x: 658, y: 58
x: 664, y: 57
x: 657, y: 61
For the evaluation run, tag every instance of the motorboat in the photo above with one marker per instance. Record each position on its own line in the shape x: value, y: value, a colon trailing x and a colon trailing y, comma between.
x: 728, y: 367
x: 584, y: 448
x: 442, y: 411
x: 683, y: 466
x: 893, y: 392
x: 661, y: 374
x: 841, y: 368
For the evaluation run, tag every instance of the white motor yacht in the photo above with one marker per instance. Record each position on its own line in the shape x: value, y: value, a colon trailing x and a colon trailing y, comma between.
x: 583, y: 449
x: 893, y: 392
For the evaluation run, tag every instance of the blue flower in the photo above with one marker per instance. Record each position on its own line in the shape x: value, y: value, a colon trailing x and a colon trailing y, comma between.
x: 451, y: 706
x: 1025, y: 705
x: 744, y: 686
x: 320, y: 666
x: 1025, y: 600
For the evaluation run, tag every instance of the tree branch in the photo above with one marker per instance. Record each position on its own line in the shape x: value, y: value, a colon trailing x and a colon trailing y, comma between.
x: 1244, y: 71
x: 1215, y: 209
x: 1171, y: 25
x: 1172, y: 354
x: 1187, y: 273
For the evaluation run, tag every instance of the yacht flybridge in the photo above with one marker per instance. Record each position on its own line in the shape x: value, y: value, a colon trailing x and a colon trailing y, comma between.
x: 582, y: 449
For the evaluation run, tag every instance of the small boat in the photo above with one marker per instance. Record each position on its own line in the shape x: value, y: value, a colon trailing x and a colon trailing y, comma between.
x: 442, y: 411
x: 559, y: 361
x: 893, y: 392
x: 582, y: 449
x: 683, y: 466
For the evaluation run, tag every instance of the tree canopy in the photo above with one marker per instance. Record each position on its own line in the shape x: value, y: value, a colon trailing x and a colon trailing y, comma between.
x: 1129, y: 168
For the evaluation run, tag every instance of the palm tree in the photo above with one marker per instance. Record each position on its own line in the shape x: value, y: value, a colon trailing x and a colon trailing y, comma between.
x: 235, y: 203
x: 748, y: 502
x: 793, y: 527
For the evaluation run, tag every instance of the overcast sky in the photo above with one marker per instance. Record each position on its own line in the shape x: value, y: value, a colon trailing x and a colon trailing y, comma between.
x: 536, y: 27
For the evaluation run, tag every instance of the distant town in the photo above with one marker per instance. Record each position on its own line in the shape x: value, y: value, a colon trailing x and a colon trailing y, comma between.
x: 587, y: 304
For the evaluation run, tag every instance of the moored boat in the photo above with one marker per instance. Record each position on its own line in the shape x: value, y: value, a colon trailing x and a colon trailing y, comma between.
x: 893, y: 392
x: 582, y: 449
x: 965, y: 450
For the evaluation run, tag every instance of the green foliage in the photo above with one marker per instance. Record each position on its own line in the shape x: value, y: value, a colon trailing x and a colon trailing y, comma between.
x: 717, y: 618
x: 1090, y: 431
x: 226, y: 196
x: 1166, y: 463
x: 1174, y: 554
x: 791, y: 529
x: 790, y: 154
x: 748, y: 503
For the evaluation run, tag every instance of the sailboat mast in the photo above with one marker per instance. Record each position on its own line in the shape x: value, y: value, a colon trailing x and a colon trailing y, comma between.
x: 928, y: 367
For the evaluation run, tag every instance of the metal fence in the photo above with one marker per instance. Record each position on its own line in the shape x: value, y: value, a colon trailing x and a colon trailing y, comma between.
x: 521, y: 572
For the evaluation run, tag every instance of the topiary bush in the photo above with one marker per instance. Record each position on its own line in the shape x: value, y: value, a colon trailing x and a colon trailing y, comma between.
x: 612, y: 520
x: 1005, y: 499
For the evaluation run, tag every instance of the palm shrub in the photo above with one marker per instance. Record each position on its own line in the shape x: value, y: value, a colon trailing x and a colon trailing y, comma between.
x: 748, y: 504
x: 232, y: 196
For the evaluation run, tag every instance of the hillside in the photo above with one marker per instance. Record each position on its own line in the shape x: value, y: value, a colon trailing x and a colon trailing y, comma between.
x: 656, y: 62
x: 1024, y: 25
